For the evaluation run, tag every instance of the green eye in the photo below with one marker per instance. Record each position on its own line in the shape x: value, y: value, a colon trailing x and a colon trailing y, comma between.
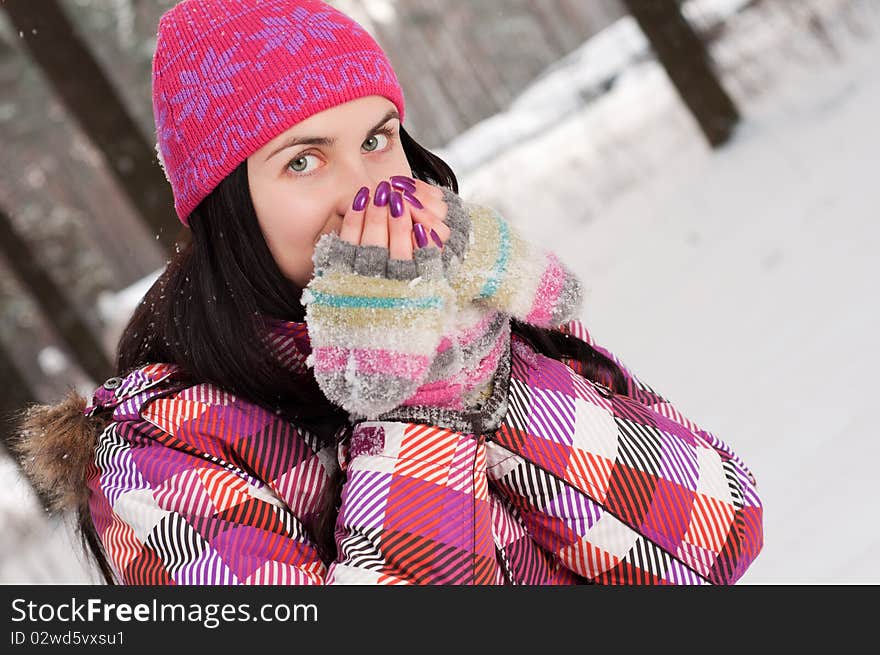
x: 375, y: 138
x: 300, y: 164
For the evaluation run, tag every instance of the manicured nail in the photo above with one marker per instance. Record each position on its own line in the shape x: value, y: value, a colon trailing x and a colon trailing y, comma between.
x: 396, y: 204
x: 380, y: 199
x: 403, y: 186
x: 403, y: 181
x: 412, y: 200
x: 421, y: 237
x: 437, y: 239
x: 360, y: 200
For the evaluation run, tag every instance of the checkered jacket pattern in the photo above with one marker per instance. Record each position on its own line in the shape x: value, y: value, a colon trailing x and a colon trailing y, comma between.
x: 191, y: 485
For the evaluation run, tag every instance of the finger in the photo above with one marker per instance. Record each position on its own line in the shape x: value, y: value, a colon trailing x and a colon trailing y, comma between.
x: 353, y: 221
x: 401, y: 240
x: 421, y: 237
x: 437, y: 232
x: 404, y: 183
x: 430, y: 214
x: 432, y: 190
x: 427, y: 204
x: 376, y: 220
x: 403, y: 196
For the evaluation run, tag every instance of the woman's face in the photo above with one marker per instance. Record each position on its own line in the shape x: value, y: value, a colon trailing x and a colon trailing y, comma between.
x: 303, y: 181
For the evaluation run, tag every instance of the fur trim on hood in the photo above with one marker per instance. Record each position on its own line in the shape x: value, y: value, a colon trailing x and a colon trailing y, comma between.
x: 55, y: 445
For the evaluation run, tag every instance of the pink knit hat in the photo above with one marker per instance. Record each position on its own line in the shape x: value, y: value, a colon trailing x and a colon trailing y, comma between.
x: 231, y: 75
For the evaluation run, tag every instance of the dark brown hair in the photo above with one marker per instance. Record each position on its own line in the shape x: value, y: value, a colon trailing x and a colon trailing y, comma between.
x: 206, y: 314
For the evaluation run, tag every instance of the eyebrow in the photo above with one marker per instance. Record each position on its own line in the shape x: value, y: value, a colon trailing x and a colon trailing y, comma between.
x: 327, y: 141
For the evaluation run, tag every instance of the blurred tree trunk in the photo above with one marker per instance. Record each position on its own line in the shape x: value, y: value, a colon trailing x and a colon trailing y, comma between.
x: 17, y: 394
x: 684, y: 56
x: 80, y: 83
x: 54, y: 303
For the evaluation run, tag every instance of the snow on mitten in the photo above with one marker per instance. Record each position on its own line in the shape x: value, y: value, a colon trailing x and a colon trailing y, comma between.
x: 487, y: 261
x: 374, y: 323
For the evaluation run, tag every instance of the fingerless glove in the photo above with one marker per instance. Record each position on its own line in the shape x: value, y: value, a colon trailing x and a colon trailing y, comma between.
x: 488, y: 261
x: 431, y: 331
x: 374, y: 323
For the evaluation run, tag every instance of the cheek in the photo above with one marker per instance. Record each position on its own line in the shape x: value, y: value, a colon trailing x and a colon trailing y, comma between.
x: 290, y: 228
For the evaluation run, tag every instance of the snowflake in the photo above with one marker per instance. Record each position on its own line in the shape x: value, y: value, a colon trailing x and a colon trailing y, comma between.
x: 292, y: 32
x: 211, y: 80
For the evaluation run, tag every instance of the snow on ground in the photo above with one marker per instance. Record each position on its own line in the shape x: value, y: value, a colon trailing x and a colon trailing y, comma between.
x: 738, y: 283
x: 735, y: 282
x: 36, y: 548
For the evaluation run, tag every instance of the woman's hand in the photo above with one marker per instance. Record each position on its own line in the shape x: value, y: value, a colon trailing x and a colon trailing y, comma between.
x: 401, y: 214
x: 379, y: 300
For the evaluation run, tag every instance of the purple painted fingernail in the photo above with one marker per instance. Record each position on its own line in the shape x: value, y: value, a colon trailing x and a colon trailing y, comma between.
x: 421, y: 237
x: 360, y: 200
x: 403, y: 179
x: 412, y: 200
x: 403, y: 185
x: 437, y: 239
x: 380, y: 199
x: 396, y: 204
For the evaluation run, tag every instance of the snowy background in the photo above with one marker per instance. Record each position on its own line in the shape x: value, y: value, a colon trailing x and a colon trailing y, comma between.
x: 736, y: 282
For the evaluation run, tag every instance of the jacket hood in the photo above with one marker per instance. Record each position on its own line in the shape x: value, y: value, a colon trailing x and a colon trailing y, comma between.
x: 55, y: 445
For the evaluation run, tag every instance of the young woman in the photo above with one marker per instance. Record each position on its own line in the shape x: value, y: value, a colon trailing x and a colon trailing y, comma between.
x: 351, y: 374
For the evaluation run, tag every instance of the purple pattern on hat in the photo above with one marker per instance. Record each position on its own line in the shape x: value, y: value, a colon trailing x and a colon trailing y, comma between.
x: 213, y: 76
x: 237, y: 74
x: 292, y: 33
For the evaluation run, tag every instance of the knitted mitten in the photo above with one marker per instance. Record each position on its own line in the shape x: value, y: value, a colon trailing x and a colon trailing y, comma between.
x: 386, y: 332
x: 487, y: 261
x: 374, y: 323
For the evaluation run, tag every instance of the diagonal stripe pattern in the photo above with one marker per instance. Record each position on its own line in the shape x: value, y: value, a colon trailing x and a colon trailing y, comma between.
x: 192, y: 485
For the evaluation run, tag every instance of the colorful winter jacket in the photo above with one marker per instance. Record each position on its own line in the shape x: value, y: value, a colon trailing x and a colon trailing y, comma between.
x: 191, y: 485
x: 472, y: 458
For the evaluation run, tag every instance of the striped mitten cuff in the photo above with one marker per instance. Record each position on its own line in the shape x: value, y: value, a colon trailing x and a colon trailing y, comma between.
x: 486, y: 260
x: 374, y: 323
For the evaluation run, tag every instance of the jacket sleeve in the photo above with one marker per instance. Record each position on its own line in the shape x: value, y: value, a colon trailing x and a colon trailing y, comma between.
x: 167, y: 512
x: 374, y: 323
x: 643, y: 393
x: 631, y: 491
x: 415, y: 508
x: 489, y: 262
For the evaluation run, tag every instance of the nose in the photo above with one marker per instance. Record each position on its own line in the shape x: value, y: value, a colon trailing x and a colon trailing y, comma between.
x: 352, y: 178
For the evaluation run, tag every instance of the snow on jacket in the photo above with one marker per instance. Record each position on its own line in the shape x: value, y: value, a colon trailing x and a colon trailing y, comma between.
x: 472, y: 460
x: 191, y: 485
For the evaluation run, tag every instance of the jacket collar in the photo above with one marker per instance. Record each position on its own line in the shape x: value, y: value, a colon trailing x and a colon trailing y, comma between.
x: 288, y: 341
x: 117, y: 390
